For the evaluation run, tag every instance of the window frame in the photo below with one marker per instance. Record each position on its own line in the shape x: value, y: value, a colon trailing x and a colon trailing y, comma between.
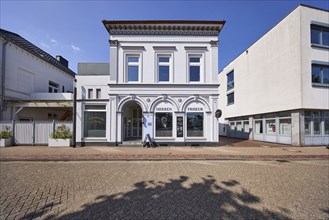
x: 203, y: 124
x: 321, y: 66
x: 138, y: 64
x: 227, y: 95
x: 53, y: 86
x: 200, y: 64
x: 87, y: 109
x: 322, y: 28
x: 227, y: 82
x: 172, y: 124
x: 169, y: 64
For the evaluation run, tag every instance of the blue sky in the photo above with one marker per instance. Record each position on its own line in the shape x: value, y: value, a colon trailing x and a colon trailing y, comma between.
x: 74, y: 29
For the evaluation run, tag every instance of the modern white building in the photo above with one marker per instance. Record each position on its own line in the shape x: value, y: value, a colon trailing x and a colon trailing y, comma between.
x: 161, y: 81
x: 277, y: 90
x: 34, y: 85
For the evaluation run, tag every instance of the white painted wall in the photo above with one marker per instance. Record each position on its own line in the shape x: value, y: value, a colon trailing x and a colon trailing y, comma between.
x: 26, y: 74
x: 312, y: 97
x: 274, y: 74
x: 180, y: 60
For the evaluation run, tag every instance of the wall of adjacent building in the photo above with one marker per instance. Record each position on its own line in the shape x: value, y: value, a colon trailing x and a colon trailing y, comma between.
x: 313, y: 97
x: 26, y: 74
x: 267, y: 74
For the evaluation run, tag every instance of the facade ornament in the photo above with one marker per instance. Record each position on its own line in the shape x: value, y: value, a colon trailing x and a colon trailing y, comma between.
x: 214, y: 43
x: 164, y: 97
x: 179, y: 100
x: 196, y: 97
x: 113, y: 43
x: 148, y: 99
x: 133, y: 96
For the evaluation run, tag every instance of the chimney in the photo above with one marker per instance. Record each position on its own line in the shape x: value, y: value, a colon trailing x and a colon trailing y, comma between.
x: 63, y: 61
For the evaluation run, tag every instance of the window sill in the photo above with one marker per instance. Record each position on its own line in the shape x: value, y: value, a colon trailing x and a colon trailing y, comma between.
x: 320, y: 46
x: 320, y: 85
x: 230, y: 104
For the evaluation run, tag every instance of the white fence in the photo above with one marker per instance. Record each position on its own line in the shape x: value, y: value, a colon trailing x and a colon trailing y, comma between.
x: 33, y: 133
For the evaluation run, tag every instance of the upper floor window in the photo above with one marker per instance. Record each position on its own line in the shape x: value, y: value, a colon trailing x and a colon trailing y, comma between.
x: 133, y: 68
x: 230, y: 80
x: 320, y: 35
x: 320, y: 74
x: 230, y: 98
x: 98, y: 93
x: 90, y: 93
x: 53, y: 87
x: 195, y: 69
x: 164, y: 68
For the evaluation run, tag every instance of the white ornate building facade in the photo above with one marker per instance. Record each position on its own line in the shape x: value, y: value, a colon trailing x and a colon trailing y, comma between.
x: 161, y: 81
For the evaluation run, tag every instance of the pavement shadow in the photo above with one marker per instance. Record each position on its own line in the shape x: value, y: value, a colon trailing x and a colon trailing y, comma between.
x: 176, y: 199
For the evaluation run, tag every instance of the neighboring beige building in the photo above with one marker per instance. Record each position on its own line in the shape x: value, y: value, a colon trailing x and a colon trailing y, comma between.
x: 277, y: 90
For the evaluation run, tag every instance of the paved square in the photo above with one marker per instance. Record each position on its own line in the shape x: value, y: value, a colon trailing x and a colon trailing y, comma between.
x: 165, y: 190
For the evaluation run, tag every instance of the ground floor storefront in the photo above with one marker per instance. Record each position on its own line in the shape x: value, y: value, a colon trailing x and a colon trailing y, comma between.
x: 167, y: 120
x: 298, y: 127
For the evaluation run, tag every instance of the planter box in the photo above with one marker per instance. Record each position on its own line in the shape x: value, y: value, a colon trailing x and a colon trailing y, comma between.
x: 59, y: 142
x: 5, y: 142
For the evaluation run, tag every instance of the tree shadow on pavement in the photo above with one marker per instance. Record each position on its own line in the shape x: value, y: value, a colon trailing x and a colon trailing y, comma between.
x: 177, y: 199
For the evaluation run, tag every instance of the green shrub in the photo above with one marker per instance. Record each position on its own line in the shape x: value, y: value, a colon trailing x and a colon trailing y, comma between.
x: 6, y: 133
x: 62, y: 132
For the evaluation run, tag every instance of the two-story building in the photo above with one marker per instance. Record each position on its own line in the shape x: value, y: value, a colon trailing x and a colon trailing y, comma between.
x: 161, y: 81
x: 33, y: 84
x: 277, y: 90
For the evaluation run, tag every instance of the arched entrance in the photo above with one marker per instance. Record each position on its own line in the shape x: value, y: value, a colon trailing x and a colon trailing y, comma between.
x: 132, y: 121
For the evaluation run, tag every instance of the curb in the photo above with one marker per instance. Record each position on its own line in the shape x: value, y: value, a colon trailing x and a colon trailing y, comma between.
x: 170, y: 158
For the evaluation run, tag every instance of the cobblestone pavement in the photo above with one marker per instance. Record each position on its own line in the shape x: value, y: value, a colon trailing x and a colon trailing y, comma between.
x: 280, y: 189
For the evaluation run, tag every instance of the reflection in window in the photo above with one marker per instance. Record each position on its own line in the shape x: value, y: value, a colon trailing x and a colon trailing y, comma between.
x: 230, y: 80
x: 246, y: 126
x: 307, y: 126
x: 285, y: 126
x: 320, y: 35
x: 270, y: 126
x: 94, y: 124
x: 259, y: 126
x: 239, y: 126
x: 232, y: 126
x: 164, y: 69
x: 194, y: 69
x: 195, y: 124
x: 326, y: 126
x: 133, y: 68
x: 163, y: 124
x: 230, y: 98
x: 320, y: 74
x: 316, y: 126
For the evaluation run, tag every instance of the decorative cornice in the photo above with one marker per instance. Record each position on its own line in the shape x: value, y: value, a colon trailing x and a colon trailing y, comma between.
x: 164, y: 27
x: 133, y: 47
x: 113, y: 43
x: 164, y: 47
x: 164, y: 32
x: 195, y: 48
x: 214, y: 43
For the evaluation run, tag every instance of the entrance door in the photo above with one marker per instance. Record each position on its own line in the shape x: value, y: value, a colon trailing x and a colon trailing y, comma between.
x: 132, y: 122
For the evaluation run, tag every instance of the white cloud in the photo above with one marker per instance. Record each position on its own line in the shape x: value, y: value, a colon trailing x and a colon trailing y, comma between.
x: 75, y: 48
x: 44, y: 45
x: 53, y: 41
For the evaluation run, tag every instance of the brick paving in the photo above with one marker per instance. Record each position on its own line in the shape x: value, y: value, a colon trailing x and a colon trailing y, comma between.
x: 228, y: 149
x: 278, y: 189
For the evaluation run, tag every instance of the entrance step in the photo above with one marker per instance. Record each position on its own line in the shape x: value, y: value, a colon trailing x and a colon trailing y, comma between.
x: 137, y: 143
